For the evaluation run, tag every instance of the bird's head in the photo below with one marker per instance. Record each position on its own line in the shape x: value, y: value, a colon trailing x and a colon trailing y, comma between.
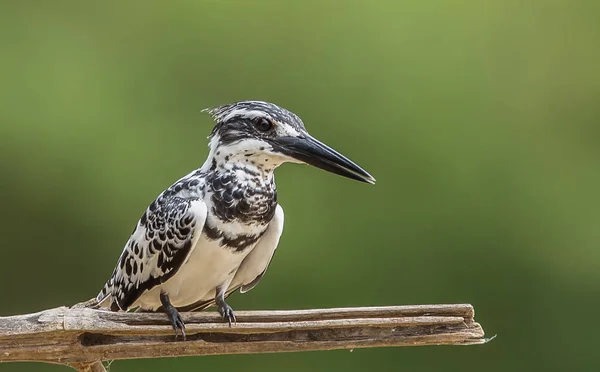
x: 268, y: 135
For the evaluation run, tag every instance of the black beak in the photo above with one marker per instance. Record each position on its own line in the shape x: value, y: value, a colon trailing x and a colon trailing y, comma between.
x: 311, y: 151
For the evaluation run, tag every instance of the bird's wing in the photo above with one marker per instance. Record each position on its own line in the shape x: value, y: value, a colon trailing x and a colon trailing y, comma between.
x: 161, y: 242
x: 256, y: 263
x: 253, y: 267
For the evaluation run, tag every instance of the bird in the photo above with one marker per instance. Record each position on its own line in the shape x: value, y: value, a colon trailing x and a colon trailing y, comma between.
x: 215, y: 231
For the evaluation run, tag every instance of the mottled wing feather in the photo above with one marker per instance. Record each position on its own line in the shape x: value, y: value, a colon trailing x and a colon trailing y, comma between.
x: 161, y: 242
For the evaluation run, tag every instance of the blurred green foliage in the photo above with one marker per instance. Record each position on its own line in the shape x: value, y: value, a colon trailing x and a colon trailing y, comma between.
x: 479, y: 119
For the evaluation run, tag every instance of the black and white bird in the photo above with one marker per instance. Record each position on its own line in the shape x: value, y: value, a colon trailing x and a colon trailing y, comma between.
x: 214, y: 231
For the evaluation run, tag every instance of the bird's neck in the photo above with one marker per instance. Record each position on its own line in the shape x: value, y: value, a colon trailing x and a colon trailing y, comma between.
x: 242, y: 163
x: 240, y: 193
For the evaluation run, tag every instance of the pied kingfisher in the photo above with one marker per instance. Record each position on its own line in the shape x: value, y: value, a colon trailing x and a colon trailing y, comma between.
x: 215, y: 230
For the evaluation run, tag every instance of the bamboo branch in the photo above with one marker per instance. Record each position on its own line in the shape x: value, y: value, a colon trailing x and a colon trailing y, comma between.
x: 82, y: 338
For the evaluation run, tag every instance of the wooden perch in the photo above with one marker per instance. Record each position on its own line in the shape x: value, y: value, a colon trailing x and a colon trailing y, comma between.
x: 83, y: 338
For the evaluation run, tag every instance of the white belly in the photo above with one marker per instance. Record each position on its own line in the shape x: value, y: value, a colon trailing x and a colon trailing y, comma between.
x: 208, y: 267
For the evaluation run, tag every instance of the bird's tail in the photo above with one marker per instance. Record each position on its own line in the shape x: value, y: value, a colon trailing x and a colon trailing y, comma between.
x: 104, y: 298
x: 92, y: 303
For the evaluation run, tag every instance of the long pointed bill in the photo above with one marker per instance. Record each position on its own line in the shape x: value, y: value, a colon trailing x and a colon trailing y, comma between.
x: 311, y: 151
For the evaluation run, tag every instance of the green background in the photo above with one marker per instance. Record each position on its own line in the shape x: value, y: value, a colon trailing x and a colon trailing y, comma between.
x: 480, y: 120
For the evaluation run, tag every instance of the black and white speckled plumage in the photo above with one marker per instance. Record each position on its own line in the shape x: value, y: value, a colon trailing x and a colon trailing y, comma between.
x: 168, y: 229
x: 160, y: 242
x: 235, y: 191
x: 251, y: 201
x: 215, y: 230
x: 236, y: 119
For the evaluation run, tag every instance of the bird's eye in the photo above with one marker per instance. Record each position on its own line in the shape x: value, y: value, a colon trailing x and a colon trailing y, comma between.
x: 263, y: 124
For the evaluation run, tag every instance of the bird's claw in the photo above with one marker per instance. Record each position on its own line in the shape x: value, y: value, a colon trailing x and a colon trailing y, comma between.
x: 177, y: 324
x: 227, y: 313
x: 173, y: 315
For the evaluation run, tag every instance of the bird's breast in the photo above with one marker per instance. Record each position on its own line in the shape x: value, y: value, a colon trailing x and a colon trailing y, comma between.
x: 233, y: 236
x: 209, y: 266
x: 241, y: 196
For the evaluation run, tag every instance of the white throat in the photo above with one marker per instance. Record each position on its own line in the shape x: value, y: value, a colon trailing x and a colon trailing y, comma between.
x: 250, y: 154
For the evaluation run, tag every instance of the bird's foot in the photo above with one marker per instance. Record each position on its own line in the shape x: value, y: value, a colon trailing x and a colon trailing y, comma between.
x: 227, y: 313
x: 173, y: 315
x: 176, y: 322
